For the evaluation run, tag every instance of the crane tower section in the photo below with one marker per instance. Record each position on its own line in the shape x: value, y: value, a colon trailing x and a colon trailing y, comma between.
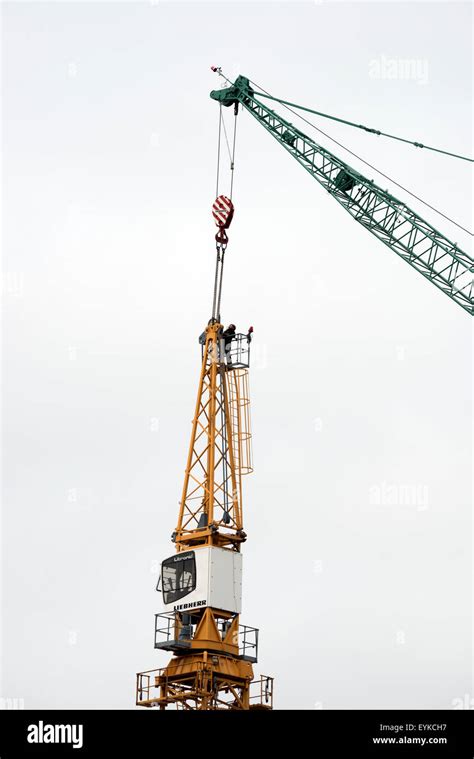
x: 219, y: 453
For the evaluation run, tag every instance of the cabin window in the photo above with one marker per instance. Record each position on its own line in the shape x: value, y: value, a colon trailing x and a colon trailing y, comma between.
x: 178, y: 576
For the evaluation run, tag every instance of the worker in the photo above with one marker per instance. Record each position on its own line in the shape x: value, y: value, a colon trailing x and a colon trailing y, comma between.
x: 202, y: 336
x: 228, y: 335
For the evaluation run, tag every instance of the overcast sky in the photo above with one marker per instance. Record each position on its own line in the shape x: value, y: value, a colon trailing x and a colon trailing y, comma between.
x: 357, y: 568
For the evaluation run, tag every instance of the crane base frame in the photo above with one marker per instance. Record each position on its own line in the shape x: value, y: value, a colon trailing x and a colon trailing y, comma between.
x: 204, y: 682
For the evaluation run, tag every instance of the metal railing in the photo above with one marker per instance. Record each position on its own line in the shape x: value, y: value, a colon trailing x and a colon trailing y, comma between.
x: 148, y: 691
x: 236, y: 354
x: 173, y: 631
x: 261, y: 693
x: 146, y: 684
x: 248, y: 643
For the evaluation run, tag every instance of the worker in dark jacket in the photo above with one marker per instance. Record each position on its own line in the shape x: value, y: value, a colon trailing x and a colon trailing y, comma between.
x: 228, y: 335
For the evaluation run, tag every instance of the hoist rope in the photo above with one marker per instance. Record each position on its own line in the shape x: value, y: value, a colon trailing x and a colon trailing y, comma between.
x: 364, y: 128
x: 219, y: 292
x: 405, y: 189
x: 219, y: 150
x: 226, y: 140
x: 221, y: 244
x: 214, y: 299
x: 232, y: 160
x: 222, y: 128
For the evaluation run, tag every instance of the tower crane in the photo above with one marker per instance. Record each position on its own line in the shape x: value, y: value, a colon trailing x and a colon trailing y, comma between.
x: 201, y: 583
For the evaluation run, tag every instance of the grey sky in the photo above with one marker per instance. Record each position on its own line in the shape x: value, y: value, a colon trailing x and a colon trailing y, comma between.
x: 357, y: 569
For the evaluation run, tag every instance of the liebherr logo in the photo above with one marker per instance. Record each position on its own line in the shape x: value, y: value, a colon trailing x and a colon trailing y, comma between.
x: 180, y: 607
x: 42, y: 733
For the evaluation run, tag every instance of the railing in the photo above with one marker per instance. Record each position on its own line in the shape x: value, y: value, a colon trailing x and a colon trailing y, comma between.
x: 148, y: 692
x: 143, y: 686
x: 146, y: 687
x: 173, y: 633
x: 261, y: 693
x: 248, y: 643
x: 236, y: 354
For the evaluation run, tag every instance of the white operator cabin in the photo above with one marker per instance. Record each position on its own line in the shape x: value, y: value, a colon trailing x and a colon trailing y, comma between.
x: 206, y: 576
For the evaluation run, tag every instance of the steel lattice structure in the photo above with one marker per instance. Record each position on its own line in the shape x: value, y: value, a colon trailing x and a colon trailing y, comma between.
x: 211, y: 492
x: 415, y: 240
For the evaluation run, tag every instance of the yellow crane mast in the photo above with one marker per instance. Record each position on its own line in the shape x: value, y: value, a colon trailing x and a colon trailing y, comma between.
x: 201, y: 584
